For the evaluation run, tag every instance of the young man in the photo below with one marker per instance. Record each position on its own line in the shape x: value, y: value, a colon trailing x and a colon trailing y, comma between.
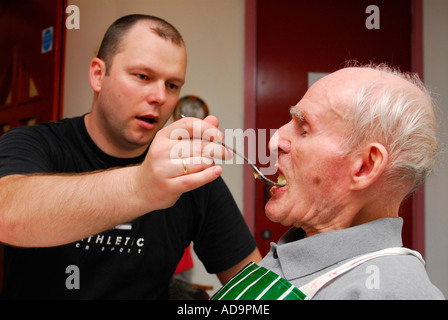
x: 103, y: 195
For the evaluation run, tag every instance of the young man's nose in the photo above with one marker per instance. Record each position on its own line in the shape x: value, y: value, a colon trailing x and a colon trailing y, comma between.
x: 158, y: 94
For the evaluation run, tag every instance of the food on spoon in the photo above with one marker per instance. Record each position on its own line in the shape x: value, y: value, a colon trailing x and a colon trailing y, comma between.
x: 281, y: 179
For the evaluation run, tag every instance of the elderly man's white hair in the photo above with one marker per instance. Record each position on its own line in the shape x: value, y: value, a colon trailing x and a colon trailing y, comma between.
x: 402, y: 118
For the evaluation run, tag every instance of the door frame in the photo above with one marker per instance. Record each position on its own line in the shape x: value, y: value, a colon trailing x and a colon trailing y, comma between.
x: 250, y: 76
x: 58, y: 86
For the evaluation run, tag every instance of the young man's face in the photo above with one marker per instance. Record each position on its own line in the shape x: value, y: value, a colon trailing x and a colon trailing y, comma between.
x: 142, y: 87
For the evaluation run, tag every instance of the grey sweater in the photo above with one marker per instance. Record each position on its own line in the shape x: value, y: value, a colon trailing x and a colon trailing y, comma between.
x: 300, y: 260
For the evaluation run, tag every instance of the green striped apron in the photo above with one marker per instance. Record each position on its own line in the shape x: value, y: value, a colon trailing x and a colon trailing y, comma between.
x: 258, y: 283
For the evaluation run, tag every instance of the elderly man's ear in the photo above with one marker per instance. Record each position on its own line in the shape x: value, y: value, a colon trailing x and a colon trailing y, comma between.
x: 369, y: 165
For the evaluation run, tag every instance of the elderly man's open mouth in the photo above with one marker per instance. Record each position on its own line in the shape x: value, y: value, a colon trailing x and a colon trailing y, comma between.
x: 280, y: 180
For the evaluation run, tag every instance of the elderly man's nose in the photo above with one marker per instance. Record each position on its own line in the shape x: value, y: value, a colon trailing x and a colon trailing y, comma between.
x: 279, y: 141
x: 273, y: 143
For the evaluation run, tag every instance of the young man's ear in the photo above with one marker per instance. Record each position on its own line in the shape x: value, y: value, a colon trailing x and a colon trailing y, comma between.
x: 369, y: 165
x: 97, y: 72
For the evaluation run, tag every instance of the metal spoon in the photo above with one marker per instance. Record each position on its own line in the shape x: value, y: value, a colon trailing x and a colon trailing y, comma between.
x: 257, y: 172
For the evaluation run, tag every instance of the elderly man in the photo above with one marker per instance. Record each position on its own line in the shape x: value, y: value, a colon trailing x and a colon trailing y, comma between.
x: 358, y: 143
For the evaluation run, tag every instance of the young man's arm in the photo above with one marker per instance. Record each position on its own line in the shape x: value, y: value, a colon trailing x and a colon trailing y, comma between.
x: 41, y: 210
x: 226, y: 275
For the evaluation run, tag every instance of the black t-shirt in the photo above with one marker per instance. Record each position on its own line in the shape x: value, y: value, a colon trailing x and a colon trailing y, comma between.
x: 132, y: 261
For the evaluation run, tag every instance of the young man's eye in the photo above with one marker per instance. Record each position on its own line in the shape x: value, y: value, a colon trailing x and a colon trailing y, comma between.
x: 141, y: 76
x: 172, y: 86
